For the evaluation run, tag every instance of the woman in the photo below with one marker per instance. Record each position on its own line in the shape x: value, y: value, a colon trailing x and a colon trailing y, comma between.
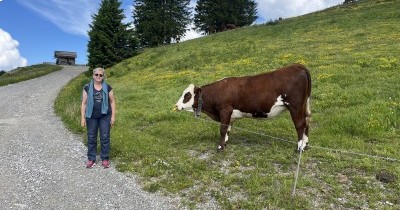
x: 98, y: 114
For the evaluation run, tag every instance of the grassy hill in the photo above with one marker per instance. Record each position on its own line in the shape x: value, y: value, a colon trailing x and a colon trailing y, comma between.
x: 352, y: 52
x: 25, y: 73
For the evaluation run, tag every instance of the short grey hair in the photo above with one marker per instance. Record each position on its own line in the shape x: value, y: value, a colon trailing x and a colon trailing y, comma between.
x: 100, y: 69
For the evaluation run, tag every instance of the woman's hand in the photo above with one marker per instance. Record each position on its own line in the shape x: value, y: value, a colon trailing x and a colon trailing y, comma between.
x: 112, y: 121
x: 83, y: 108
x: 112, y: 103
x: 83, y: 122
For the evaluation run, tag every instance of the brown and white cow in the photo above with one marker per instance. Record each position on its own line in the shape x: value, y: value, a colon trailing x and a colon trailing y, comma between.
x: 261, y: 96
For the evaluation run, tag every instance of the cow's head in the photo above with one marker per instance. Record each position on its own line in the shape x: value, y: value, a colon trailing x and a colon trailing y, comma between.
x: 189, y: 99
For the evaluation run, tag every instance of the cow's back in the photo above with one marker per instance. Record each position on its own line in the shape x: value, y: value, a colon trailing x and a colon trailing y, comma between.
x: 258, y: 93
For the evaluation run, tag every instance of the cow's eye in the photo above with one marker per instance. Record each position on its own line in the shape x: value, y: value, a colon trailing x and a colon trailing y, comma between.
x: 187, y: 97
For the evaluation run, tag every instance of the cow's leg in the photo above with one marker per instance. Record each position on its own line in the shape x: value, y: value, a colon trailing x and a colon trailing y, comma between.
x: 300, y: 123
x: 225, y: 127
x: 227, y: 133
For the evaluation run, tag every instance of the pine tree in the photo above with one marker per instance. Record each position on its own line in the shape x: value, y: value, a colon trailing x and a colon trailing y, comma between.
x: 216, y: 15
x: 110, y: 40
x: 157, y: 22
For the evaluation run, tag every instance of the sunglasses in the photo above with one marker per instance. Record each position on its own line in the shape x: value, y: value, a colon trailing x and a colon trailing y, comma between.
x: 98, y: 75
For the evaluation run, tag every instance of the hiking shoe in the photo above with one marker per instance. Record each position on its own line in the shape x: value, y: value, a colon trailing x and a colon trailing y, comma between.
x: 105, y: 163
x: 90, y: 164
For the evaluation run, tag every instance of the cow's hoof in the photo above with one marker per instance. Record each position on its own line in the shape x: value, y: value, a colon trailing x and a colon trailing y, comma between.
x: 301, y: 145
x: 220, y: 148
x: 298, y: 150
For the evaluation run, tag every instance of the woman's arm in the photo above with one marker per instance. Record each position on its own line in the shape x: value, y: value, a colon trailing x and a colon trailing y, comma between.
x: 112, y: 103
x: 83, y: 108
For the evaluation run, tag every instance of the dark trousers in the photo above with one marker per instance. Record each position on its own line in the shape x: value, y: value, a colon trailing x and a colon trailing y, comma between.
x: 94, y: 125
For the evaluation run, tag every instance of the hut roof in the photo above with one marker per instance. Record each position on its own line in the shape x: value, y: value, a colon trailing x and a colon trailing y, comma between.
x: 64, y: 54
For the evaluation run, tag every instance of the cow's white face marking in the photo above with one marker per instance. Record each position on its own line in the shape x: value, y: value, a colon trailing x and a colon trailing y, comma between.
x: 278, y: 107
x: 302, y: 143
x: 183, y: 103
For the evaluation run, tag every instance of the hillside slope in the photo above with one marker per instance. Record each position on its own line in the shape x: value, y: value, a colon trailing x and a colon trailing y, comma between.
x: 352, y: 52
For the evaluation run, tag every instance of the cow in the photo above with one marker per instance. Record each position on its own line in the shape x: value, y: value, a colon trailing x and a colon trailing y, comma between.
x: 210, y: 30
x: 229, y: 26
x: 260, y: 96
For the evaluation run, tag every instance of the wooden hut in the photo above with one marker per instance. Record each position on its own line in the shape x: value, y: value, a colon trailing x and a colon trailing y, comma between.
x: 65, y: 57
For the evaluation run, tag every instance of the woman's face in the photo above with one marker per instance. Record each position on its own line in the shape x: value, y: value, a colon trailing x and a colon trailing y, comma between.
x: 98, y: 75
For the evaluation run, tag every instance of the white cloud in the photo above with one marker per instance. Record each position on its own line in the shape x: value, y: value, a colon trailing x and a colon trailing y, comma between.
x: 71, y: 16
x: 128, y: 12
x: 273, y: 9
x: 191, y: 34
x: 9, y: 54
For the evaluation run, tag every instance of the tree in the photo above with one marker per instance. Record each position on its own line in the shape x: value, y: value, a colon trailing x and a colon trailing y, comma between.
x: 157, y: 22
x: 110, y: 40
x: 215, y: 15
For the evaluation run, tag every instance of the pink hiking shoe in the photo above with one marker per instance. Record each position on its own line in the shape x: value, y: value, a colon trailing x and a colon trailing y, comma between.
x: 90, y: 164
x: 105, y: 163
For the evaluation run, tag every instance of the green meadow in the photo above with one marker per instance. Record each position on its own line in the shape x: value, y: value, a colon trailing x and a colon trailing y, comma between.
x: 352, y: 52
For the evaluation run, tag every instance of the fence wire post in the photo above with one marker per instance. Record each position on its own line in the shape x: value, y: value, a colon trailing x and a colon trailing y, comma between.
x: 297, y: 174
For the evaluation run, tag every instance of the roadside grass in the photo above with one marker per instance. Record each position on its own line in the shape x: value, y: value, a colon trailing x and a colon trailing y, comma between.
x: 25, y: 73
x: 352, y: 52
x: 68, y: 103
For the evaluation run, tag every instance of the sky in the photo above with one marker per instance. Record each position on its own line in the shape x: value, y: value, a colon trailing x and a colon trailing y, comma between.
x: 31, y: 30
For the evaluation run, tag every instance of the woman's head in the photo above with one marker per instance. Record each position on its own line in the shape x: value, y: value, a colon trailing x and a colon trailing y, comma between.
x: 99, y: 74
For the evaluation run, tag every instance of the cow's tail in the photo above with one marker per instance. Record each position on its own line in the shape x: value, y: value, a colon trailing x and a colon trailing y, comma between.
x: 308, y: 106
x: 308, y: 111
x: 308, y: 93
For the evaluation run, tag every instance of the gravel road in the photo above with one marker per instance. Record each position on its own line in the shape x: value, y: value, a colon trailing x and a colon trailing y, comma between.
x: 43, y: 164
